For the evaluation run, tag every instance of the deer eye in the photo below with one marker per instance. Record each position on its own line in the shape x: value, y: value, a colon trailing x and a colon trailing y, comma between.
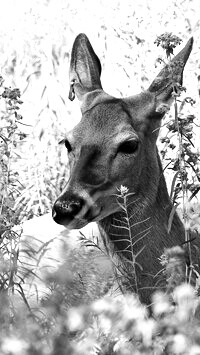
x: 128, y: 147
x: 67, y: 144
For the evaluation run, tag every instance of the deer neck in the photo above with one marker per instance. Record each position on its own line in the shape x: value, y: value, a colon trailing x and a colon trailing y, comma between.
x: 142, y: 241
x: 148, y: 224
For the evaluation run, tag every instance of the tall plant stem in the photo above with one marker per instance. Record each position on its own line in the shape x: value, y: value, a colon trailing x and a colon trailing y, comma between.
x: 131, y: 243
x: 182, y: 171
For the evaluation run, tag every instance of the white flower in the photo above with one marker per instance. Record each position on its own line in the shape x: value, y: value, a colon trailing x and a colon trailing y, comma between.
x: 194, y: 350
x: 75, y: 319
x: 179, y: 345
x: 184, y: 296
x: 161, y: 304
x: 102, y: 305
x: 146, y: 328
x: 131, y: 308
x: 123, y: 190
x: 14, y: 346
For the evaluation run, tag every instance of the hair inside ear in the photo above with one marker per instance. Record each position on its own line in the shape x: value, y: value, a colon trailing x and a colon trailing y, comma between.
x: 85, y: 68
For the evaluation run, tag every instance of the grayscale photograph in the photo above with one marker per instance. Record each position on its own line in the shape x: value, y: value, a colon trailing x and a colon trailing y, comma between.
x: 99, y: 177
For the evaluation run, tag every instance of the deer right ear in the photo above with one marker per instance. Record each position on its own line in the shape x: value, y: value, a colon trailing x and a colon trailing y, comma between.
x: 85, y: 69
x: 168, y: 78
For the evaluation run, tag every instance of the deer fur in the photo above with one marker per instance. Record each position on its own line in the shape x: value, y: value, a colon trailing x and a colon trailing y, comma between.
x: 115, y: 144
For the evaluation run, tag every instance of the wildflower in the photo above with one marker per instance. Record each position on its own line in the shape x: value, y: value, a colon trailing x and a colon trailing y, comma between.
x: 14, y: 346
x: 103, y: 305
x: 184, y: 296
x: 168, y: 42
x: 131, y: 308
x: 123, y: 190
x: 146, y: 329
x: 161, y: 304
x: 179, y: 345
x: 106, y: 323
x: 193, y: 216
x: 75, y: 319
x: 194, y: 350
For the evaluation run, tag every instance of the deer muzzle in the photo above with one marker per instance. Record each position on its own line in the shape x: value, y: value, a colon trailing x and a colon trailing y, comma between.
x: 73, y: 211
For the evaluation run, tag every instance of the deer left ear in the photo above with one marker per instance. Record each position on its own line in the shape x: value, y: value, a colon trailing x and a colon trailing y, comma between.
x: 85, y: 69
x: 168, y: 78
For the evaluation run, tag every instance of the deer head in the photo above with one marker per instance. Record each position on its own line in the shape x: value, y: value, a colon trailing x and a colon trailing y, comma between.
x: 115, y: 142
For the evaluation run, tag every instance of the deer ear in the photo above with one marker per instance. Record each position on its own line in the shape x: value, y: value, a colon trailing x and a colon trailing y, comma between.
x: 85, y: 68
x: 169, y: 77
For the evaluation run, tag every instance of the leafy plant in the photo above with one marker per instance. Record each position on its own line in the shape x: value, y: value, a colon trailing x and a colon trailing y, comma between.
x: 168, y: 42
x: 10, y: 137
x: 180, y: 135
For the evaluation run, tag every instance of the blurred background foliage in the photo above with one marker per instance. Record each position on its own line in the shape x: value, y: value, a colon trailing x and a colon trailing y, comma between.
x: 35, y: 41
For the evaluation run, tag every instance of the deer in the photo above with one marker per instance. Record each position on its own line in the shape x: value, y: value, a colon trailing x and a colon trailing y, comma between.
x: 114, y: 145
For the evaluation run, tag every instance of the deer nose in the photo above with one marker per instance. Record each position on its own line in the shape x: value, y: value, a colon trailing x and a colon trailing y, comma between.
x: 66, y: 209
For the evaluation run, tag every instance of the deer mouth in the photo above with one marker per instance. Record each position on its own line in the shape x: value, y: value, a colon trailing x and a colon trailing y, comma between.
x: 80, y: 222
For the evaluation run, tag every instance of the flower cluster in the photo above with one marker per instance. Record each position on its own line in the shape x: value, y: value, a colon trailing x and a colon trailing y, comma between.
x: 168, y: 42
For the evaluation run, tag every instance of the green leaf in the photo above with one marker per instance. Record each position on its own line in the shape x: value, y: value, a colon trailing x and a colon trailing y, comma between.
x: 171, y: 217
